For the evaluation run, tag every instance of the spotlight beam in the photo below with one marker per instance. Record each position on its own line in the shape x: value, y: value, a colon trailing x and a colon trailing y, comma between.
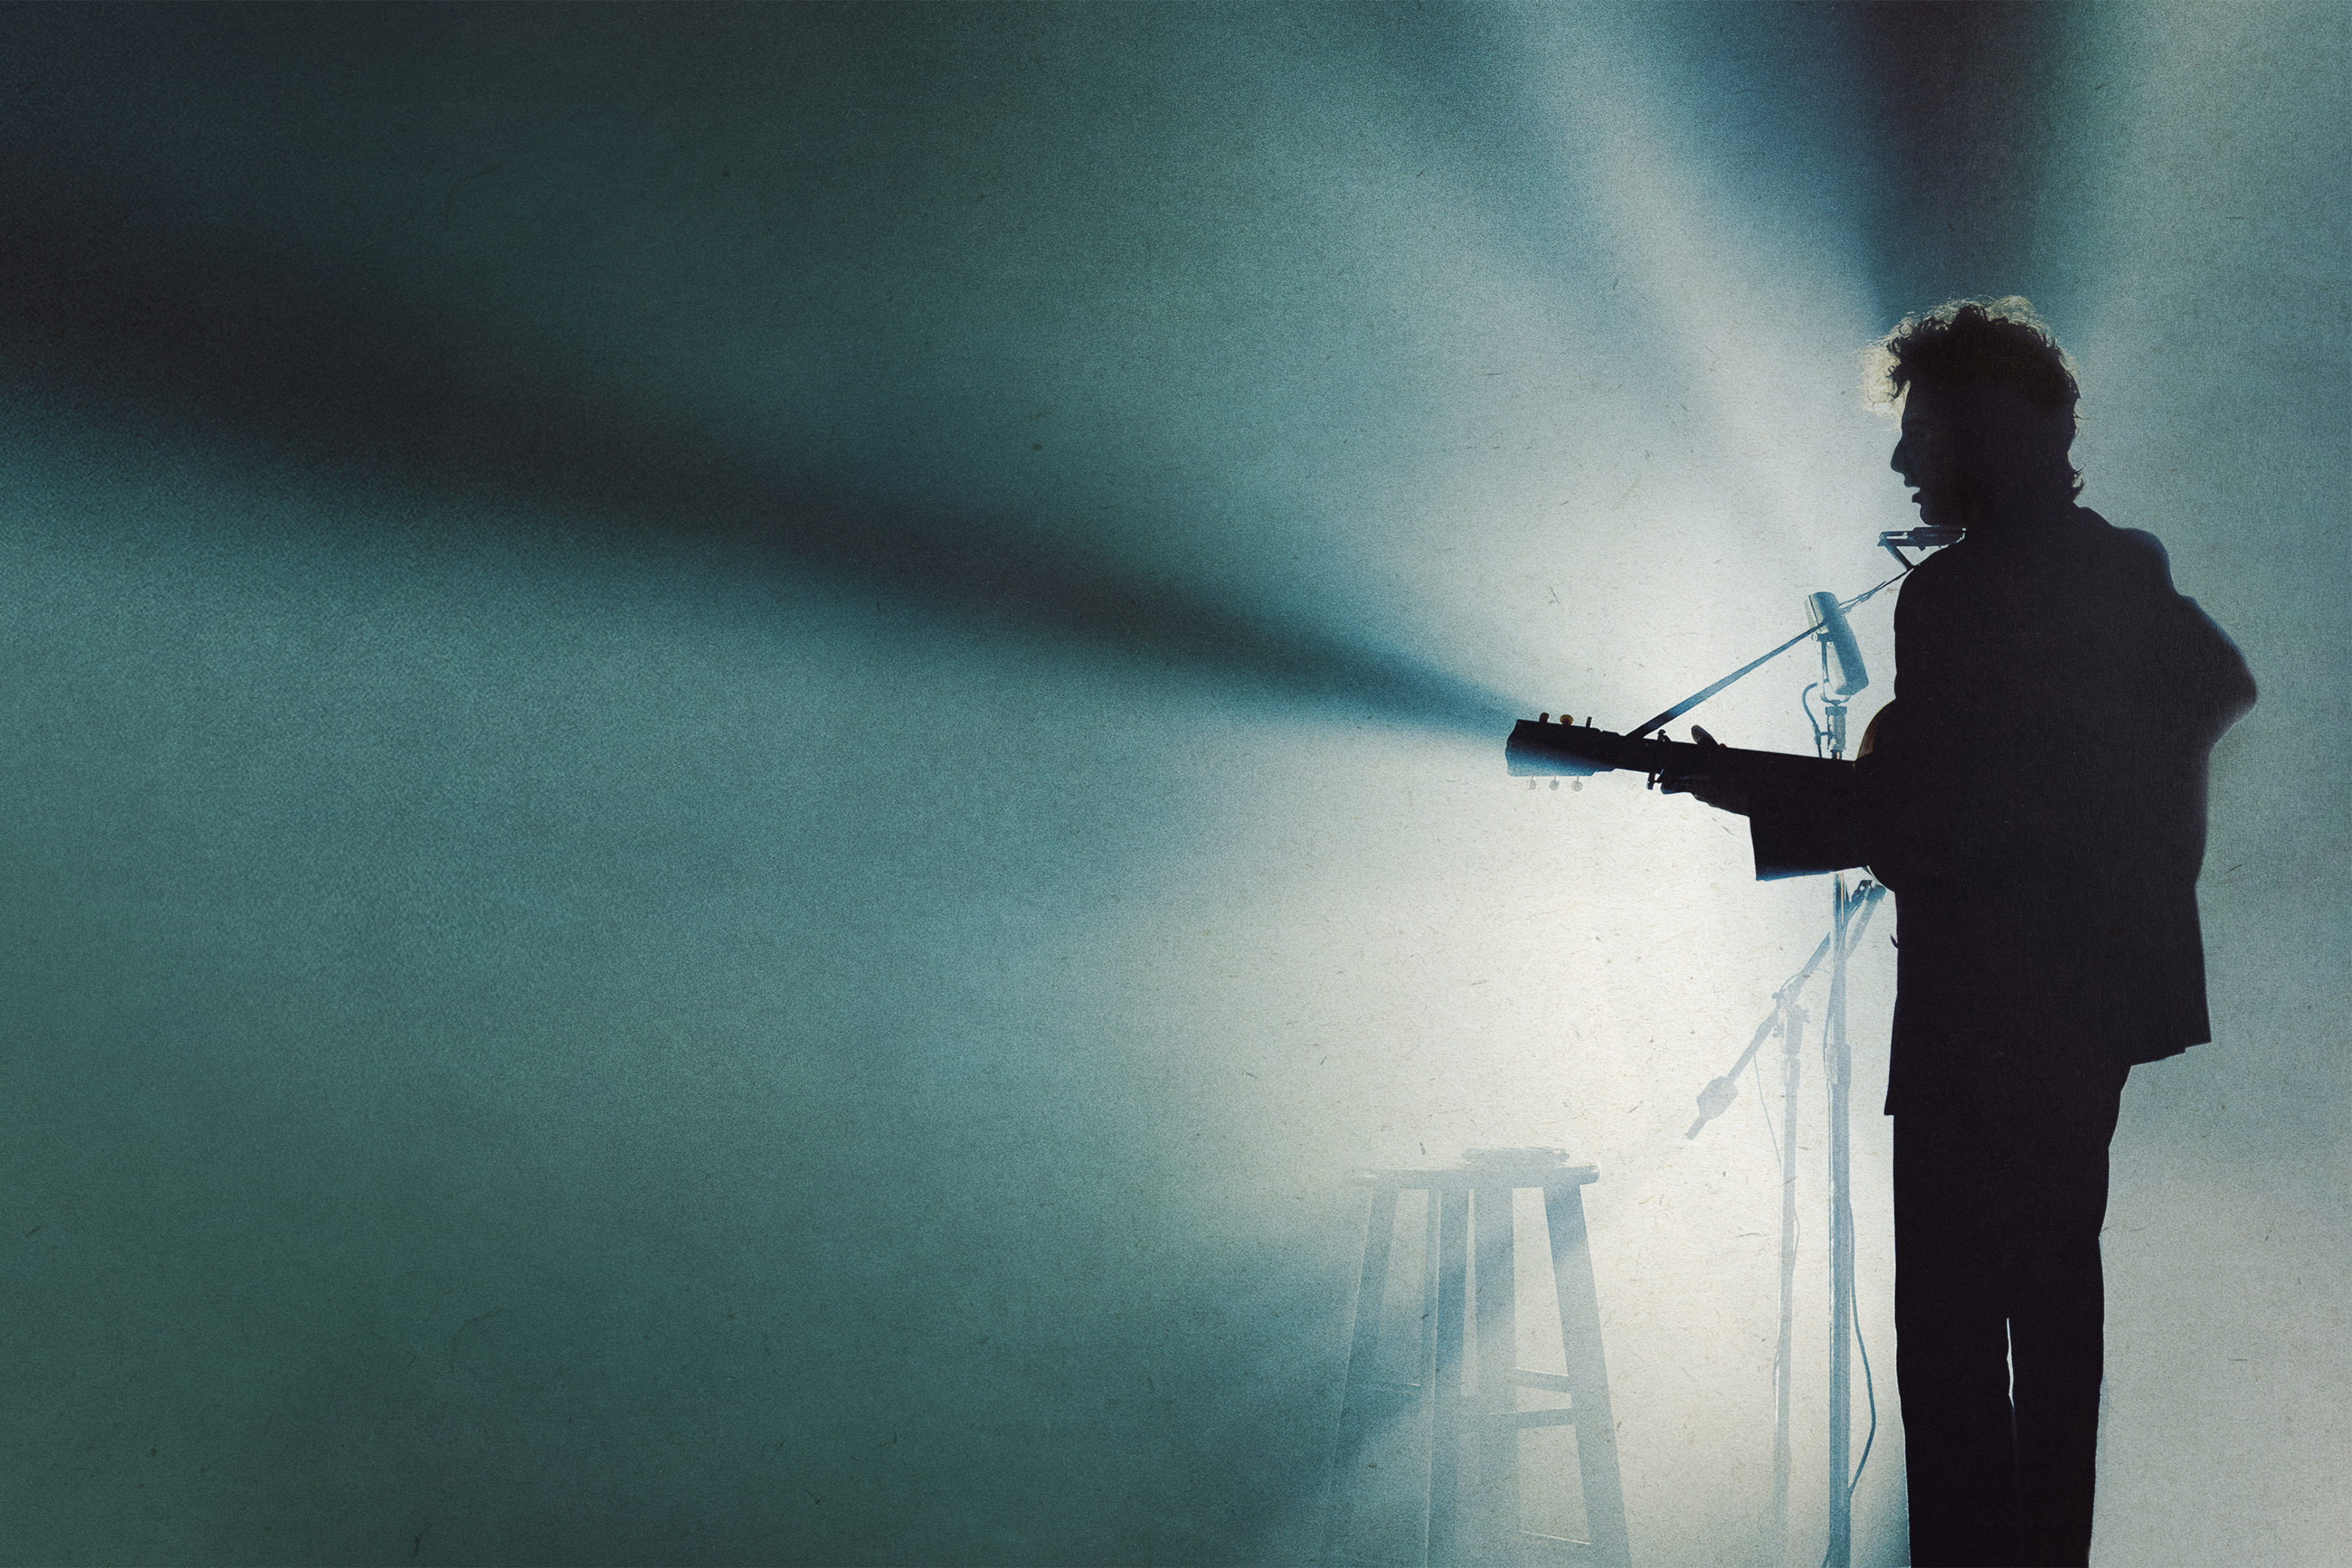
x: 122, y: 321
x: 1964, y: 104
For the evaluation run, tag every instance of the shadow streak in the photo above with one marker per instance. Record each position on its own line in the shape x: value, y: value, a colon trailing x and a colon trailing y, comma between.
x: 117, y: 318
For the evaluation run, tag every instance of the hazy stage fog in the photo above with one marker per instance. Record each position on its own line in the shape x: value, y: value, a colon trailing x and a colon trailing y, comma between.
x: 746, y: 744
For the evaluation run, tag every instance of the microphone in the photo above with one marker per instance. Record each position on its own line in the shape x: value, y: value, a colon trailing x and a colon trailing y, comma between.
x: 1830, y: 625
x: 1716, y: 1098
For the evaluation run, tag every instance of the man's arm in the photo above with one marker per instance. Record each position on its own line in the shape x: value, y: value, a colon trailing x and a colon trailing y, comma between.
x: 1793, y: 830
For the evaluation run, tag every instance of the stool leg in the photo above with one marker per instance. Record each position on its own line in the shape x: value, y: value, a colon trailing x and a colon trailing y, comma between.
x: 1426, y: 1361
x: 1425, y: 1358
x: 1356, y: 1399
x: 1445, y: 1403
x: 1588, y: 1374
x: 1494, y: 1440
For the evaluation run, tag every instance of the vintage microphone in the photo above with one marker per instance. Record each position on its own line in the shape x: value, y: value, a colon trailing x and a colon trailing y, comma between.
x: 1842, y: 673
x: 1837, y: 638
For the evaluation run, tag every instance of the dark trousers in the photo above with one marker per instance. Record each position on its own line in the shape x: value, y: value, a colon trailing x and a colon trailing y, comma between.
x: 1997, y: 1214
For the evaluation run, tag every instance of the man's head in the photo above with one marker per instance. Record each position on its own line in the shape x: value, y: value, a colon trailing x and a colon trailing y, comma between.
x: 1988, y: 404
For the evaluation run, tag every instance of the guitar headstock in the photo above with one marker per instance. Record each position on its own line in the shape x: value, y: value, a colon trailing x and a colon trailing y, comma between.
x: 1542, y: 747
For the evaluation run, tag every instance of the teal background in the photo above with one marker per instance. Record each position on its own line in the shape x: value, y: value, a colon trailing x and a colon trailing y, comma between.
x: 744, y: 745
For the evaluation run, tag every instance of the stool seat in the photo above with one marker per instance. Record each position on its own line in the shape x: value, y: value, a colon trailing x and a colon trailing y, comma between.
x: 1471, y: 1509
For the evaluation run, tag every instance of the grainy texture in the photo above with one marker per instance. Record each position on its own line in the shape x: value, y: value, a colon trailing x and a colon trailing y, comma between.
x: 744, y: 744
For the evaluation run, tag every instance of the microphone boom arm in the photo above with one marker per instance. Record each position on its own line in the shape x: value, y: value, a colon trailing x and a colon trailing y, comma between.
x: 1693, y: 700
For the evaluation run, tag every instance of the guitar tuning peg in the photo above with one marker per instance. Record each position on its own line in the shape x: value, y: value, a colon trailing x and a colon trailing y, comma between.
x: 1543, y: 718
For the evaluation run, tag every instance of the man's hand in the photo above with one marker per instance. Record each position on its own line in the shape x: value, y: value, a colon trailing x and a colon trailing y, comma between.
x: 1718, y: 789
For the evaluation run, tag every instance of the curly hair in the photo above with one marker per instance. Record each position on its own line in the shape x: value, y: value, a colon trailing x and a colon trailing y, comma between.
x: 1967, y: 343
x: 1964, y: 342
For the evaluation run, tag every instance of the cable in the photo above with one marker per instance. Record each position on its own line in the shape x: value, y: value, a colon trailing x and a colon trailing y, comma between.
x: 1870, y: 1387
x: 1867, y: 593
x: 1757, y: 1070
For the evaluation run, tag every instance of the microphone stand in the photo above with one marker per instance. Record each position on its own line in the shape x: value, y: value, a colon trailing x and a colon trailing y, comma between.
x: 1850, y: 911
x: 1841, y: 1073
x: 1849, y: 916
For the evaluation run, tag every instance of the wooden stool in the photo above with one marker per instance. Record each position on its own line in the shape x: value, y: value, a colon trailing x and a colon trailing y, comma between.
x: 1472, y: 1499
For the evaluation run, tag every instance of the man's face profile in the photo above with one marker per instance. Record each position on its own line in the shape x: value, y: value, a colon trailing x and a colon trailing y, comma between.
x: 1927, y: 458
x: 1974, y: 454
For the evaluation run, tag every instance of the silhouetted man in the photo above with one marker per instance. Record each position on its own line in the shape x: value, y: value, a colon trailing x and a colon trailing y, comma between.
x: 2035, y: 797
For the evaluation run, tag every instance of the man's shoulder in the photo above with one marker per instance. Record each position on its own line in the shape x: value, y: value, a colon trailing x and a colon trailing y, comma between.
x: 2080, y: 560
x: 2129, y: 549
x: 2082, y: 540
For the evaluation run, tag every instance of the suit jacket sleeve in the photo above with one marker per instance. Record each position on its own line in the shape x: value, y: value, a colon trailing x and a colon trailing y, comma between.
x: 1795, y: 833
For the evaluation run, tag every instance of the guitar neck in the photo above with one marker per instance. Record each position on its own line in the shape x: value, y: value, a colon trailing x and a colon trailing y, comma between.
x: 1537, y: 748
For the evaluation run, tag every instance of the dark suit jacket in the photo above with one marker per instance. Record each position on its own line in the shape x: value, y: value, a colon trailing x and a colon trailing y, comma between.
x: 2036, y: 799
